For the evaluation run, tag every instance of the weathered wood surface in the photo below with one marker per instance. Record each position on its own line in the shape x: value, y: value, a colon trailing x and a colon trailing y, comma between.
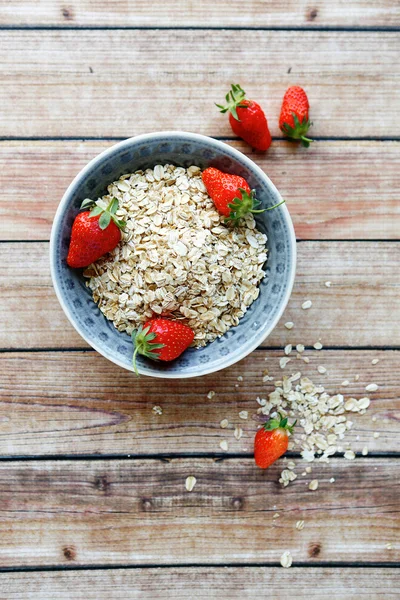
x: 139, y: 512
x: 80, y: 403
x: 124, y: 82
x: 255, y: 13
x: 204, y: 583
x: 337, y: 190
x: 357, y: 310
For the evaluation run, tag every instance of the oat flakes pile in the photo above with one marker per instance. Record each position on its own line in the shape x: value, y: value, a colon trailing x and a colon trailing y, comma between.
x: 177, y: 256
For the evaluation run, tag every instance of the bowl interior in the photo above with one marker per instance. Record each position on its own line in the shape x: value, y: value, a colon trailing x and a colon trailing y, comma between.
x: 182, y: 150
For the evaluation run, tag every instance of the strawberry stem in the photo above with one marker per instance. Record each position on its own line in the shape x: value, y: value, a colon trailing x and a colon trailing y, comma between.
x: 281, y: 423
x: 106, y: 212
x: 298, y: 131
x: 245, y: 205
x: 144, y: 345
x: 234, y: 99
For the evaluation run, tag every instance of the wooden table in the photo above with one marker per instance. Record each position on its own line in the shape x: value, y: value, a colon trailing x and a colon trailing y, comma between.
x: 93, y: 502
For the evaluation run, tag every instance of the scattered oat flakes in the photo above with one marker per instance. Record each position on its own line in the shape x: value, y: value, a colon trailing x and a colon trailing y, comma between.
x: 364, y: 451
x: 318, y: 346
x: 284, y: 361
x: 190, y: 483
x: 313, y: 485
x: 356, y: 377
x: 276, y: 516
x: 300, y: 525
x: 291, y: 465
x: 308, y: 469
x: 300, y: 348
x: 372, y: 387
x: 286, y: 559
x: 321, y: 369
x: 307, y: 304
x: 224, y: 423
x: 389, y: 546
x: 349, y: 454
x: 243, y: 414
x: 240, y: 378
x: 223, y: 445
x: 345, y: 383
x: 373, y: 419
x: 211, y: 394
x: 289, y: 325
x: 305, y: 359
x: 332, y: 480
x: 288, y: 349
x: 328, y: 284
x: 376, y: 434
x: 238, y: 433
x: 157, y: 410
x: 374, y: 361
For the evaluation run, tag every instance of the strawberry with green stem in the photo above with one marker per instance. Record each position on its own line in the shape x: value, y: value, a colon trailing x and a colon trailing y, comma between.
x: 161, y: 339
x: 294, y: 120
x: 231, y: 195
x: 94, y: 233
x: 246, y: 118
x: 271, y: 441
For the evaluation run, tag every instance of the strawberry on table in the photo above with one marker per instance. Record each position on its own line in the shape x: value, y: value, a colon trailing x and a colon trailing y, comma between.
x: 294, y: 121
x: 161, y: 339
x: 231, y: 195
x: 94, y: 233
x: 271, y: 441
x: 247, y: 119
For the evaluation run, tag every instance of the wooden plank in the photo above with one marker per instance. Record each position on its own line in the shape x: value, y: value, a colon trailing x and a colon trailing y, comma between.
x: 80, y: 403
x: 139, y: 512
x: 257, y: 13
x: 63, y: 83
x: 322, y: 205
x: 357, y: 310
x: 203, y: 583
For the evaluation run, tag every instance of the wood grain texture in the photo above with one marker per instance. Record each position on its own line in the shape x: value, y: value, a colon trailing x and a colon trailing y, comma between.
x: 256, y: 13
x: 338, y: 190
x: 139, y: 512
x: 125, y: 82
x: 80, y: 403
x: 357, y: 310
x: 203, y: 583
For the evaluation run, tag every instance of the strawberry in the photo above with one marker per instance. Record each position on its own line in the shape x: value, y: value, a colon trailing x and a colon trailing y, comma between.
x: 94, y: 233
x: 231, y: 194
x: 161, y: 339
x: 272, y: 441
x: 293, y: 120
x: 247, y: 119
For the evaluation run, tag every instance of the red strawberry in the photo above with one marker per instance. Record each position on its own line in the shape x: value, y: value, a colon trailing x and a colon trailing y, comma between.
x: 247, y: 119
x: 293, y: 120
x: 271, y: 441
x: 161, y: 339
x: 231, y: 194
x: 94, y: 233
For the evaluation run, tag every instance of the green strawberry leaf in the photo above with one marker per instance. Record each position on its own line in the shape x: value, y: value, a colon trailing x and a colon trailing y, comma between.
x: 247, y: 204
x: 97, y: 210
x: 104, y: 220
x: 234, y: 99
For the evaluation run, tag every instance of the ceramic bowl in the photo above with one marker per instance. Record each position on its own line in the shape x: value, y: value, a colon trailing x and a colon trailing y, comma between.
x: 182, y: 149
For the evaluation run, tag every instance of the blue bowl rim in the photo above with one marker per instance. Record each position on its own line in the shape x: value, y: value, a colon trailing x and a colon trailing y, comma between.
x: 260, y: 334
